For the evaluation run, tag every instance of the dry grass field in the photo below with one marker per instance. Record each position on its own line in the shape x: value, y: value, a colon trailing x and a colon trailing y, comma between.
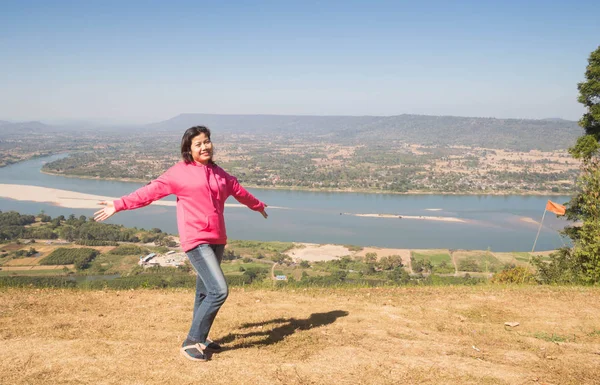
x: 409, y: 335
x: 504, y: 160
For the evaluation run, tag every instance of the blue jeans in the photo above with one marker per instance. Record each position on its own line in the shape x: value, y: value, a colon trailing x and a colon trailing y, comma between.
x: 211, y: 288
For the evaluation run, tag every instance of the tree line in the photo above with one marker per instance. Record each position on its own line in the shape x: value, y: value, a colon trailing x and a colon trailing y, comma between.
x: 82, y: 230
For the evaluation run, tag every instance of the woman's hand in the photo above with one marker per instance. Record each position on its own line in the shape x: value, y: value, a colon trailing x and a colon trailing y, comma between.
x: 106, y: 212
x: 264, y: 213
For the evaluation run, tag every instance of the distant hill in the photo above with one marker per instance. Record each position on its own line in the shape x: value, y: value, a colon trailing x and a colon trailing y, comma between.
x: 514, y: 134
x: 25, y: 127
x: 15, y: 129
x: 517, y: 134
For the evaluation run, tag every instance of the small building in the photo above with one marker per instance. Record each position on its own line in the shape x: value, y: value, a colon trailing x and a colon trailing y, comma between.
x: 144, y: 260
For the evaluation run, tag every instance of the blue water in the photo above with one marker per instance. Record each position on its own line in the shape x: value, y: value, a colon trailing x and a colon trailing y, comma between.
x: 493, y: 221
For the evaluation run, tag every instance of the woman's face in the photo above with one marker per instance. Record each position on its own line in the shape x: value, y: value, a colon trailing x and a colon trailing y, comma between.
x: 202, y: 149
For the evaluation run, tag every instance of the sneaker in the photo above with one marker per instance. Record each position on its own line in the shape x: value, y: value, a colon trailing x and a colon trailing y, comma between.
x: 193, y: 351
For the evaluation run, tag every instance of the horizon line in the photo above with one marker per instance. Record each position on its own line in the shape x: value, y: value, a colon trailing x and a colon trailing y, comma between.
x: 95, y: 121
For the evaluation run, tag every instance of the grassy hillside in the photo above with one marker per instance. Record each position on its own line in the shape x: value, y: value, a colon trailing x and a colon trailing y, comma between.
x: 428, y: 335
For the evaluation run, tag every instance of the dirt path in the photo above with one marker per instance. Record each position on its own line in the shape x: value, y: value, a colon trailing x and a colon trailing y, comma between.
x: 454, y: 263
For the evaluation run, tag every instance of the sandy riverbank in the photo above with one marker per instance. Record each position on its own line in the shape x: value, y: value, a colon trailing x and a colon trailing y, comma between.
x: 64, y: 198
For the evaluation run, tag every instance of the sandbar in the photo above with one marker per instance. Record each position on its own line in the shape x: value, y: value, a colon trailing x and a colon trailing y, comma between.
x: 420, y: 217
x: 529, y: 220
x: 315, y: 252
x: 64, y: 198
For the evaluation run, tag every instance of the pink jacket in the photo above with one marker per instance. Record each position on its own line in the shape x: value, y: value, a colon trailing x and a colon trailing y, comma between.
x: 201, y: 193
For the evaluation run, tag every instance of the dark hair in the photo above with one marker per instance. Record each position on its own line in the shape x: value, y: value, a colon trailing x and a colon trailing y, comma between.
x: 186, y: 141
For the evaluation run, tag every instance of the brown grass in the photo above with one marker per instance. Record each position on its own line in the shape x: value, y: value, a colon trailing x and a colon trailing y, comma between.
x: 507, y: 257
x: 13, y: 247
x: 47, y: 249
x: 27, y: 261
x: 352, y: 336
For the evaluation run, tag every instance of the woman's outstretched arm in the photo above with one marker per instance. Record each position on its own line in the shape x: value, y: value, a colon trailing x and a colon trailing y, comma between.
x: 153, y: 191
x: 244, y: 197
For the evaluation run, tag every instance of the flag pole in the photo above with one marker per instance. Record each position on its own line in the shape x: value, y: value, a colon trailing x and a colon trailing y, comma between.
x: 540, y: 229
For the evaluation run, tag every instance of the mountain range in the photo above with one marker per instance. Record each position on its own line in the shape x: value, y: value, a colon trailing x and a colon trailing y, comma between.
x: 516, y: 134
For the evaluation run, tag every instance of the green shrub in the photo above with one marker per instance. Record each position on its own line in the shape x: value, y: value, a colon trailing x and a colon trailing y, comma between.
x: 469, y: 264
x: 444, y: 268
x: 437, y: 280
x: 399, y: 276
x: 517, y: 274
x: 36, y: 282
x: 276, y: 247
x: 420, y: 265
x: 238, y: 280
x: 354, y: 248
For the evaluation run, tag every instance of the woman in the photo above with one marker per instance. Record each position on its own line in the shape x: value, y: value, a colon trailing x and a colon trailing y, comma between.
x: 201, y: 188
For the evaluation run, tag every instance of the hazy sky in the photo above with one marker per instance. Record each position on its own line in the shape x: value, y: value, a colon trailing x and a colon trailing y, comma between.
x: 145, y: 61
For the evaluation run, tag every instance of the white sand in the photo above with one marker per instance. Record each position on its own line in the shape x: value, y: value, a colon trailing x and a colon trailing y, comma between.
x: 314, y: 252
x: 529, y: 220
x: 63, y: 198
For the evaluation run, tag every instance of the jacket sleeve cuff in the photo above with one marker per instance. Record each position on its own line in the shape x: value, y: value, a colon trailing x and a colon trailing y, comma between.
x: 119, y: 206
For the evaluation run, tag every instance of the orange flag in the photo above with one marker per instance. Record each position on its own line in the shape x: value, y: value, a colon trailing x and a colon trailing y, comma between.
x: 555, y: 208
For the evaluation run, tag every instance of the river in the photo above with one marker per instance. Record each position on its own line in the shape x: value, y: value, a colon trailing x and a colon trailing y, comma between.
x: 491, y: 221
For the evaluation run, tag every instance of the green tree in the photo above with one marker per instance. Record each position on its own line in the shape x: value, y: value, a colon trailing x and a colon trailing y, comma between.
x: 371, y: 258
x: 44, y: 218
x: 589, y: 95
x: 279, y: 258
x: 339, y: 275
x: 399, y: 275
x: 581, y: 264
